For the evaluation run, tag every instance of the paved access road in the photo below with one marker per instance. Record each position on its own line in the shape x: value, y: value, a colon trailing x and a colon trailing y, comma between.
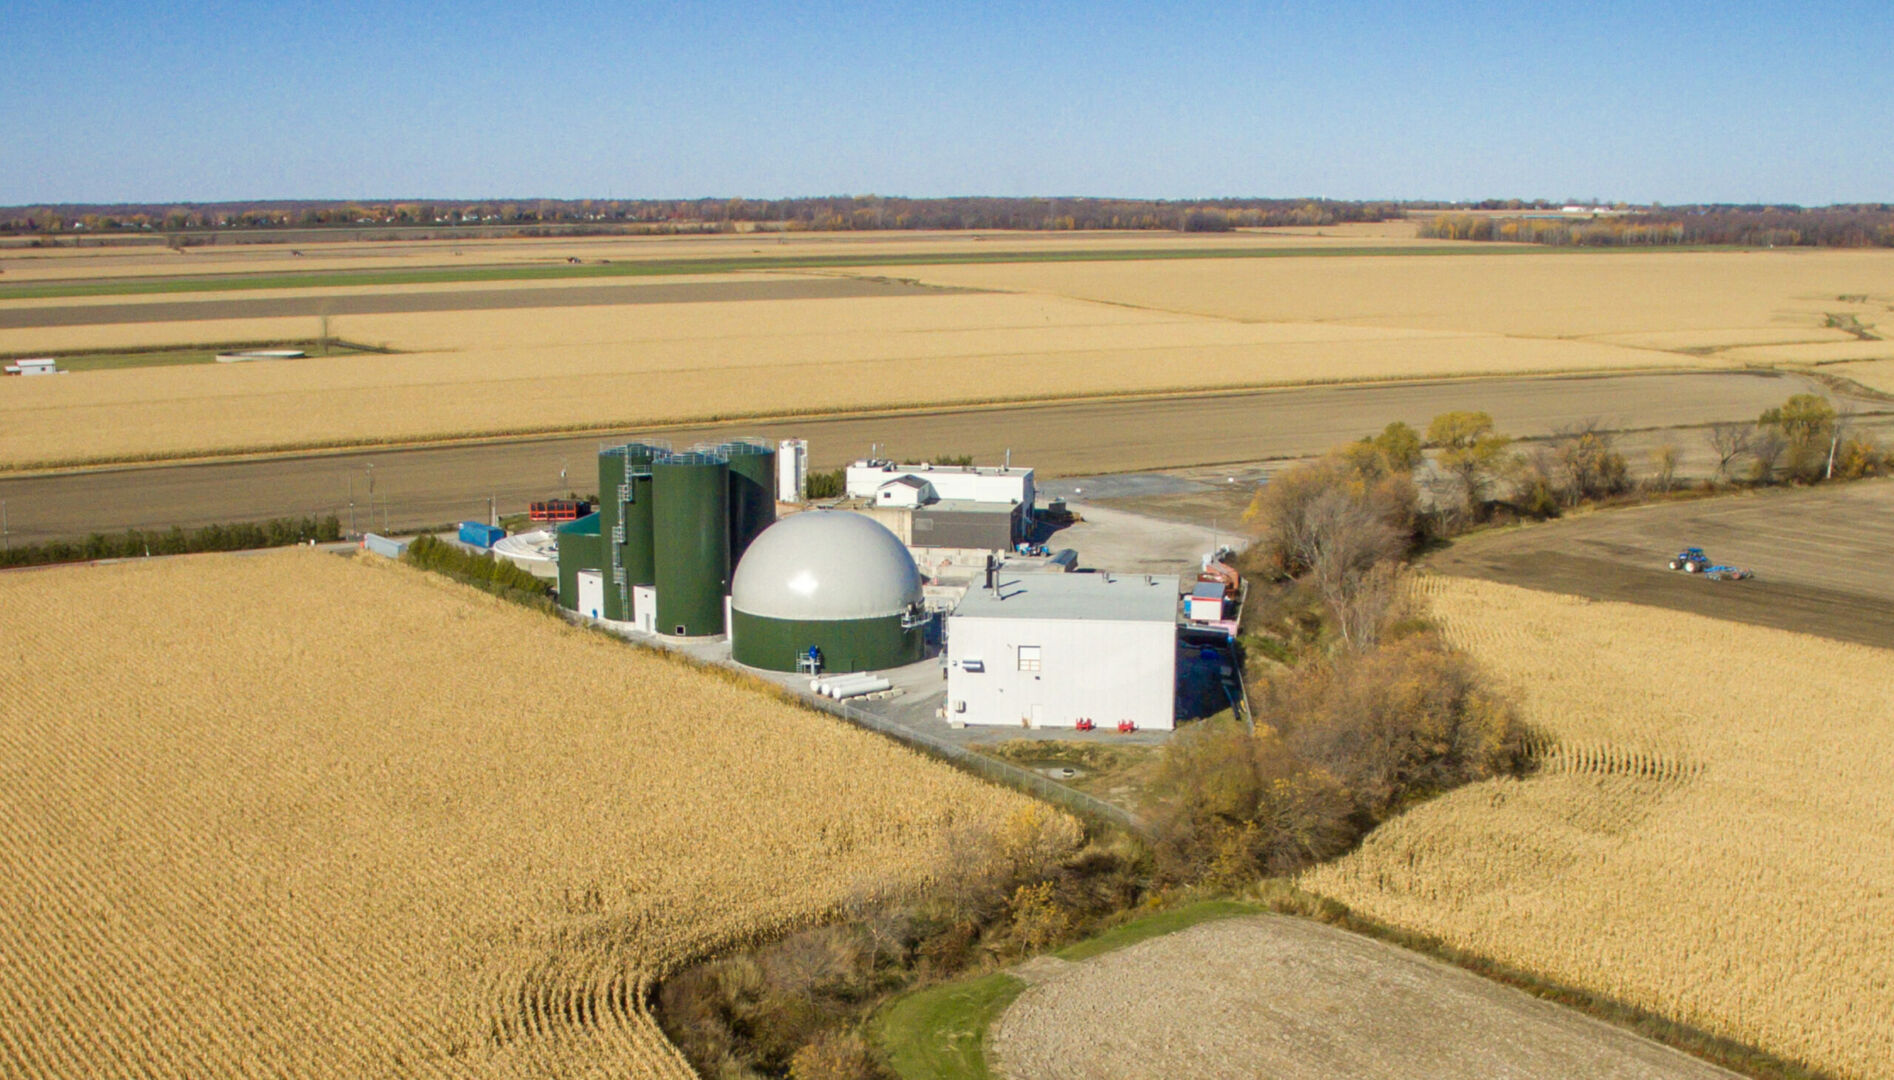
x: 427, y: 486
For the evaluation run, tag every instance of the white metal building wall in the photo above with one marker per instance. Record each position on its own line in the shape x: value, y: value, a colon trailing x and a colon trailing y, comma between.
x: 983, y: 485
x: 1107, y: 670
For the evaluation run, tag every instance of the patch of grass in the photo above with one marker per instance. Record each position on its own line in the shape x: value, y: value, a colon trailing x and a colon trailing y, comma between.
x: 662, y: 267
x: 1164, y: 922
x: 174, y: 355
x: 940, y: 1033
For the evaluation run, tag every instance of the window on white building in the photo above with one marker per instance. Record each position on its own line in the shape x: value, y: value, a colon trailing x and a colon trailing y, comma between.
x: 1029, y: 658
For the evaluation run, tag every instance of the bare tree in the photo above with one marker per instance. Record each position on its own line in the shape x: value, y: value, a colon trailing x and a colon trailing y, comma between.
x: 1352, y: 554
x: 1766, y: 450
x: 1664, y: 467
x: 1589, y: 461
x: 1730, y: 439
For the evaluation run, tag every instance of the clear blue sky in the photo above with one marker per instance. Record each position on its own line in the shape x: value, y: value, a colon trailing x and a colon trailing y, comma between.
x: 137, y: 100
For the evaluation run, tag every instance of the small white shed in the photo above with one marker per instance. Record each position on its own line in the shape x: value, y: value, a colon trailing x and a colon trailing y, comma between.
x: 908, y: 492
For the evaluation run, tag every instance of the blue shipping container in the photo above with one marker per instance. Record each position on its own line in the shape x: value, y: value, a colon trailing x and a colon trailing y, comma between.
x: 478, y: 535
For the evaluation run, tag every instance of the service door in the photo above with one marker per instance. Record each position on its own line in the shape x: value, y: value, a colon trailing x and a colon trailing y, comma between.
x: 591, y: 593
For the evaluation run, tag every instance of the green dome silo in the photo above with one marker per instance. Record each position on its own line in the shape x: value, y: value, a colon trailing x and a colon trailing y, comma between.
x: 752, y: 492
x: 833, y: 581
x: 625, y: 522
x: 691, y: 520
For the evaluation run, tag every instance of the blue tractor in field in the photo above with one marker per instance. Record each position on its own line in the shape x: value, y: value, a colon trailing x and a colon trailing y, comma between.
x: 1692, y: 560
x: 1689, y: 560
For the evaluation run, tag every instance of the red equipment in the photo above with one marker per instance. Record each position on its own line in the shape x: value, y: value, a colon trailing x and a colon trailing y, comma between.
x: 558, y: 510
x: 1126, y: 727
x: 1085, y: 724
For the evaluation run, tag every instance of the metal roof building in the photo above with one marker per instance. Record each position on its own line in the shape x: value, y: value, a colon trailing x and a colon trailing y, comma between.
x: 1050, y: 650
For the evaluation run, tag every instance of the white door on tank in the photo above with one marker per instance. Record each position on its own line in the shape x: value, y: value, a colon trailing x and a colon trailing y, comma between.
x: 1038, y: 715
x: 591, y: 593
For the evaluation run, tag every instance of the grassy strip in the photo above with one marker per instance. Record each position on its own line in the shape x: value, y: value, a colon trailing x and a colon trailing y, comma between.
x: 1286, y: 898
x: 170, y: 357
x: 668, y: 267
x: 1164, y: 922
x: 137, y: 544
x: 940, y: 1033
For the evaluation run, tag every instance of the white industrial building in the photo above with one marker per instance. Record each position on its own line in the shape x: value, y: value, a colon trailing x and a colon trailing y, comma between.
x: 1002, y: 484
x: 1051, y: 650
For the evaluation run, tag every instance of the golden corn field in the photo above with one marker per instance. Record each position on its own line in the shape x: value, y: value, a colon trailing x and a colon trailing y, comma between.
x: 1709, y: 839
x: 292, y: 815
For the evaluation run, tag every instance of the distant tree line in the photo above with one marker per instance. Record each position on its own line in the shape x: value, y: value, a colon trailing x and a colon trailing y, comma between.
x: 1745, y: 226
x: 136, y: 544
x: 829, y: 213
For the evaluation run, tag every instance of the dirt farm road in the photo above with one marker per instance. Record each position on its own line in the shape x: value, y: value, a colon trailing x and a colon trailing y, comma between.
x: 428, y: 486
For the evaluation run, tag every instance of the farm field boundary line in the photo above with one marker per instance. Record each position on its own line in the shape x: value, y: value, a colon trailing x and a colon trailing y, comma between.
x: 825, y: 287
x: 277, y: 452
x: 64, y: 287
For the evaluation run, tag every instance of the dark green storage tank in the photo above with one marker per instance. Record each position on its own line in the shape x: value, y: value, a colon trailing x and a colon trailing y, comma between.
x: 752, y: 493
x: 691, y: 493
x: 579, y: 549
x: 625, y: 522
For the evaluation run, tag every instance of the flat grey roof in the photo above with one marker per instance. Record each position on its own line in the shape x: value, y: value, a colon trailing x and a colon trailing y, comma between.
x: 969, y: 506
x: 1105, y: 597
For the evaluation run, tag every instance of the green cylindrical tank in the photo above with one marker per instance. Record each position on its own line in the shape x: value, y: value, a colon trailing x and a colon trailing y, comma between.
x: 843, y: 644
x: 624, y: 501
x: 638, y: 552
x: 691, y: 493
x: 752, y: 493
x: 611, y: 475
x: 579, y: 549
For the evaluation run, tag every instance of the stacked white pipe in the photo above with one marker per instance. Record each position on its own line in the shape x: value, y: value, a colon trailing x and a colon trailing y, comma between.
x: 848, y: 686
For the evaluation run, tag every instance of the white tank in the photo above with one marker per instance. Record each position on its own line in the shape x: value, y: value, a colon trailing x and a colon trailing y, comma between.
x: 824, y: 566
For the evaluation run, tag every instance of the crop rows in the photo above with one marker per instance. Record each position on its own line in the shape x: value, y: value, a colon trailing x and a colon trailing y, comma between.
x: 1709, y: 836
x: 291, y: 815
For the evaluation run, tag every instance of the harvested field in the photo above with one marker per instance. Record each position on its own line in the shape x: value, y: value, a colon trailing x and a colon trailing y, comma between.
x: 1708, y: 838
x: 409, y: 301
x: 1119, y: 323
x: 1820, y: 556
x: 1292, y: 999
x: 341, y: 251
x: 427, y: 486
x: 1650, y: 300
x: 294, y: 815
